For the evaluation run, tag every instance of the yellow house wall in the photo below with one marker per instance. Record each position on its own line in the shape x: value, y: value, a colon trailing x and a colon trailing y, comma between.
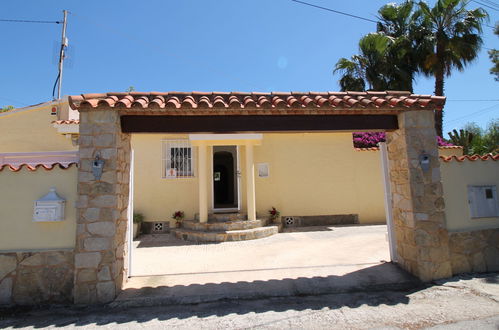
x: 18, y: 192
x: 310, y: 174
x: 456, y: 176
x: 31, y: 130
x: 319, y: 174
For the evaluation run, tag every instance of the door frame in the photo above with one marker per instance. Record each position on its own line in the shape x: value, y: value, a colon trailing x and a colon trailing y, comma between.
x: 238, y: 182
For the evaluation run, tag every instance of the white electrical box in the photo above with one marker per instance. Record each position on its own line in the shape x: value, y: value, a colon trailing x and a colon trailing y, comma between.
x: 263, y: 170
x: 49, y: 208
x: 483, y: 201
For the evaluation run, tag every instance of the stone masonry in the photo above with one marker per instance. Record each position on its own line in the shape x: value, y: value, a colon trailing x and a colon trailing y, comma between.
x: 474, y: 251
x: 101, y: 244
x: 31, y: 278
x: 417, y: 198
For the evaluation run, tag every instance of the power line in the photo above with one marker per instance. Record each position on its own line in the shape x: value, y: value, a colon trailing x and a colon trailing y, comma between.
x: 485, y: 5
x: 475, y: 113
x: 335, y: 11
x: 491, y: 2
x: 355, y: 16
x: 28, y: 21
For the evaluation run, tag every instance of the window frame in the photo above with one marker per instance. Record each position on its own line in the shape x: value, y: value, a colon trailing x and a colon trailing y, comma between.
x: 166, y: 148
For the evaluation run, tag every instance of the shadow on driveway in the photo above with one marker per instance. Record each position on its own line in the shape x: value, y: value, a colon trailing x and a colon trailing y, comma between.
x: 163, y: 303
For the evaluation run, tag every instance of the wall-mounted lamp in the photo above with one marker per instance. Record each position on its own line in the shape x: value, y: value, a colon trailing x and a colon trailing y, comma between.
x: 424, y: 161
x: 97, y: 167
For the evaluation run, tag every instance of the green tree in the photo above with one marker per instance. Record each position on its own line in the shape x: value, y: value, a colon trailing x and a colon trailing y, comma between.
x: 403, y: 23
x: 462, y: 138
x: 7, y: 108
x: 484, y: 141
x: 494, y: 57
x: 454, y: 33
x: 371, y: 67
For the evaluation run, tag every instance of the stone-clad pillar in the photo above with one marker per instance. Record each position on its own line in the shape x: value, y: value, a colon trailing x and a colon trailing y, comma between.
x: 102, y: 208
x: 417, y: 196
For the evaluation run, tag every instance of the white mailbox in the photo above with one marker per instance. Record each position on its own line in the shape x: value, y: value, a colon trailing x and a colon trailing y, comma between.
x: 49, y: 208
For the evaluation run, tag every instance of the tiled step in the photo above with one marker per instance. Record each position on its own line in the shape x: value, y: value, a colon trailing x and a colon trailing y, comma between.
x: 224, y: 236
x: 222, y: 226
x: 219, y: 217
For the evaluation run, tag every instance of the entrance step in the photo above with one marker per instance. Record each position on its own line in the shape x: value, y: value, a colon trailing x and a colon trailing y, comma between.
x: 224, y: 216
x: 222, y: 226
x: 224, y: 236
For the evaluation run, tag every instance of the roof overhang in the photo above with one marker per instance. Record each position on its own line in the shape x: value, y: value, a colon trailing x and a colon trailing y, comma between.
x: 242, y: 103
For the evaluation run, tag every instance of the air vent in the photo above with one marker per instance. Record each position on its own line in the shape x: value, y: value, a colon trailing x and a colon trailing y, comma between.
x: 158, y: 227
x: 289, y: 221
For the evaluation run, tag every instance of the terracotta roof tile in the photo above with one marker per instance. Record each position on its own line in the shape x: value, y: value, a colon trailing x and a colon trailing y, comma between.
x: 376, y: 148
x: 67, y: 122
x: 189, y: 103
x: 34, y: 167
x: 470, y: 158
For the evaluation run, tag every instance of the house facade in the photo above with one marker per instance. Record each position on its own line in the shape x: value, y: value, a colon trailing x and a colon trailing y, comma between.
x: 203, y: 153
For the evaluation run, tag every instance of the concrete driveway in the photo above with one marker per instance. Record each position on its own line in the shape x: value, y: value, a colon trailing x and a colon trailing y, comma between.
x: 301, y: 252
x: 305, y: 261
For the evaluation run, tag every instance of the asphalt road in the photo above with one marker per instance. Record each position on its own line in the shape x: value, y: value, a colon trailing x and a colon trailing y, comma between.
x: 458, y: 303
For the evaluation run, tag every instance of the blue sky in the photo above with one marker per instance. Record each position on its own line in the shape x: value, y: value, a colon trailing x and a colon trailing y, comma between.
x: 207, y: 45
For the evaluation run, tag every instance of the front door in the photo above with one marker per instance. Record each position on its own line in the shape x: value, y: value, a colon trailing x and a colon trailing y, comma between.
x: 225, y: 178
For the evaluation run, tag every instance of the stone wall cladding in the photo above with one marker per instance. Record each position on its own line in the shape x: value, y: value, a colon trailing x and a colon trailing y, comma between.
x: 101, y: 247
x: 474, y: 251
x: 417, y: 197
x: 32, y: 278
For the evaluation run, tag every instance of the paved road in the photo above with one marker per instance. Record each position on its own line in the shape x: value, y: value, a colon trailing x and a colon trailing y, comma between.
x: 459, y: 303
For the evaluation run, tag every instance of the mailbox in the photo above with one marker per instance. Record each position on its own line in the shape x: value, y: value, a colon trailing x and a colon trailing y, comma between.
x: 49, y: 208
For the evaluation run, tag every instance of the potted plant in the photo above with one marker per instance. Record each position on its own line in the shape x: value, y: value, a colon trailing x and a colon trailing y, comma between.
x: 274, y: 214
x: 137, y: 220
x: 178, y: 216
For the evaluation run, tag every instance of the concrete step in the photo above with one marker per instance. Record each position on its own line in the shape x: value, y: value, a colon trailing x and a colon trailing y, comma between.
x: 224, y: 236
x: 222, y: 226
x: 220, y: 217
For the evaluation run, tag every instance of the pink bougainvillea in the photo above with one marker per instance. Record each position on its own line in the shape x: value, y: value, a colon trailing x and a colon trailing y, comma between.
x: 371, y: 139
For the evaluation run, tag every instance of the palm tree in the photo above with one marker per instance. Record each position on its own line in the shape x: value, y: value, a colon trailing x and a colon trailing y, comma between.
x: 371, y: 67
x: 353, y: 78
x: 388, y: 58
x: 403, y: 23
x: 454, y: 33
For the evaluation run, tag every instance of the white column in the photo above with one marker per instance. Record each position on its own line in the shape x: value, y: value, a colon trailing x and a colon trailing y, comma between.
x: 250, y: 182
x: 203, y: 182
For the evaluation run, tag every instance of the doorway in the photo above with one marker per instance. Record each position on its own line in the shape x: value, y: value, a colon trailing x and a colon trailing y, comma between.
x: 225, y: 178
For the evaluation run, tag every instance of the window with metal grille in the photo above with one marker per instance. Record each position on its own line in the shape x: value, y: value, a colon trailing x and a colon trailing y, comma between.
x: 178, y: 159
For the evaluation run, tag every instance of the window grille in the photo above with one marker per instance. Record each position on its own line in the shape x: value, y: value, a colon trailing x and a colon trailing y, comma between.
x: 178, y: 159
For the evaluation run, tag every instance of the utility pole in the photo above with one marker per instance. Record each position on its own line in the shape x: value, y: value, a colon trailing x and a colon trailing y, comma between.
x: 62, y: 53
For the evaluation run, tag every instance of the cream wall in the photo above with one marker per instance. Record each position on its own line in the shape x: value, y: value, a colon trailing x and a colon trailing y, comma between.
x: 18, y: 192
x: 319, y: 174
x: 156, y: 197
x: 31, y: 130
x: 456, y: 176
x: 310, y: 174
